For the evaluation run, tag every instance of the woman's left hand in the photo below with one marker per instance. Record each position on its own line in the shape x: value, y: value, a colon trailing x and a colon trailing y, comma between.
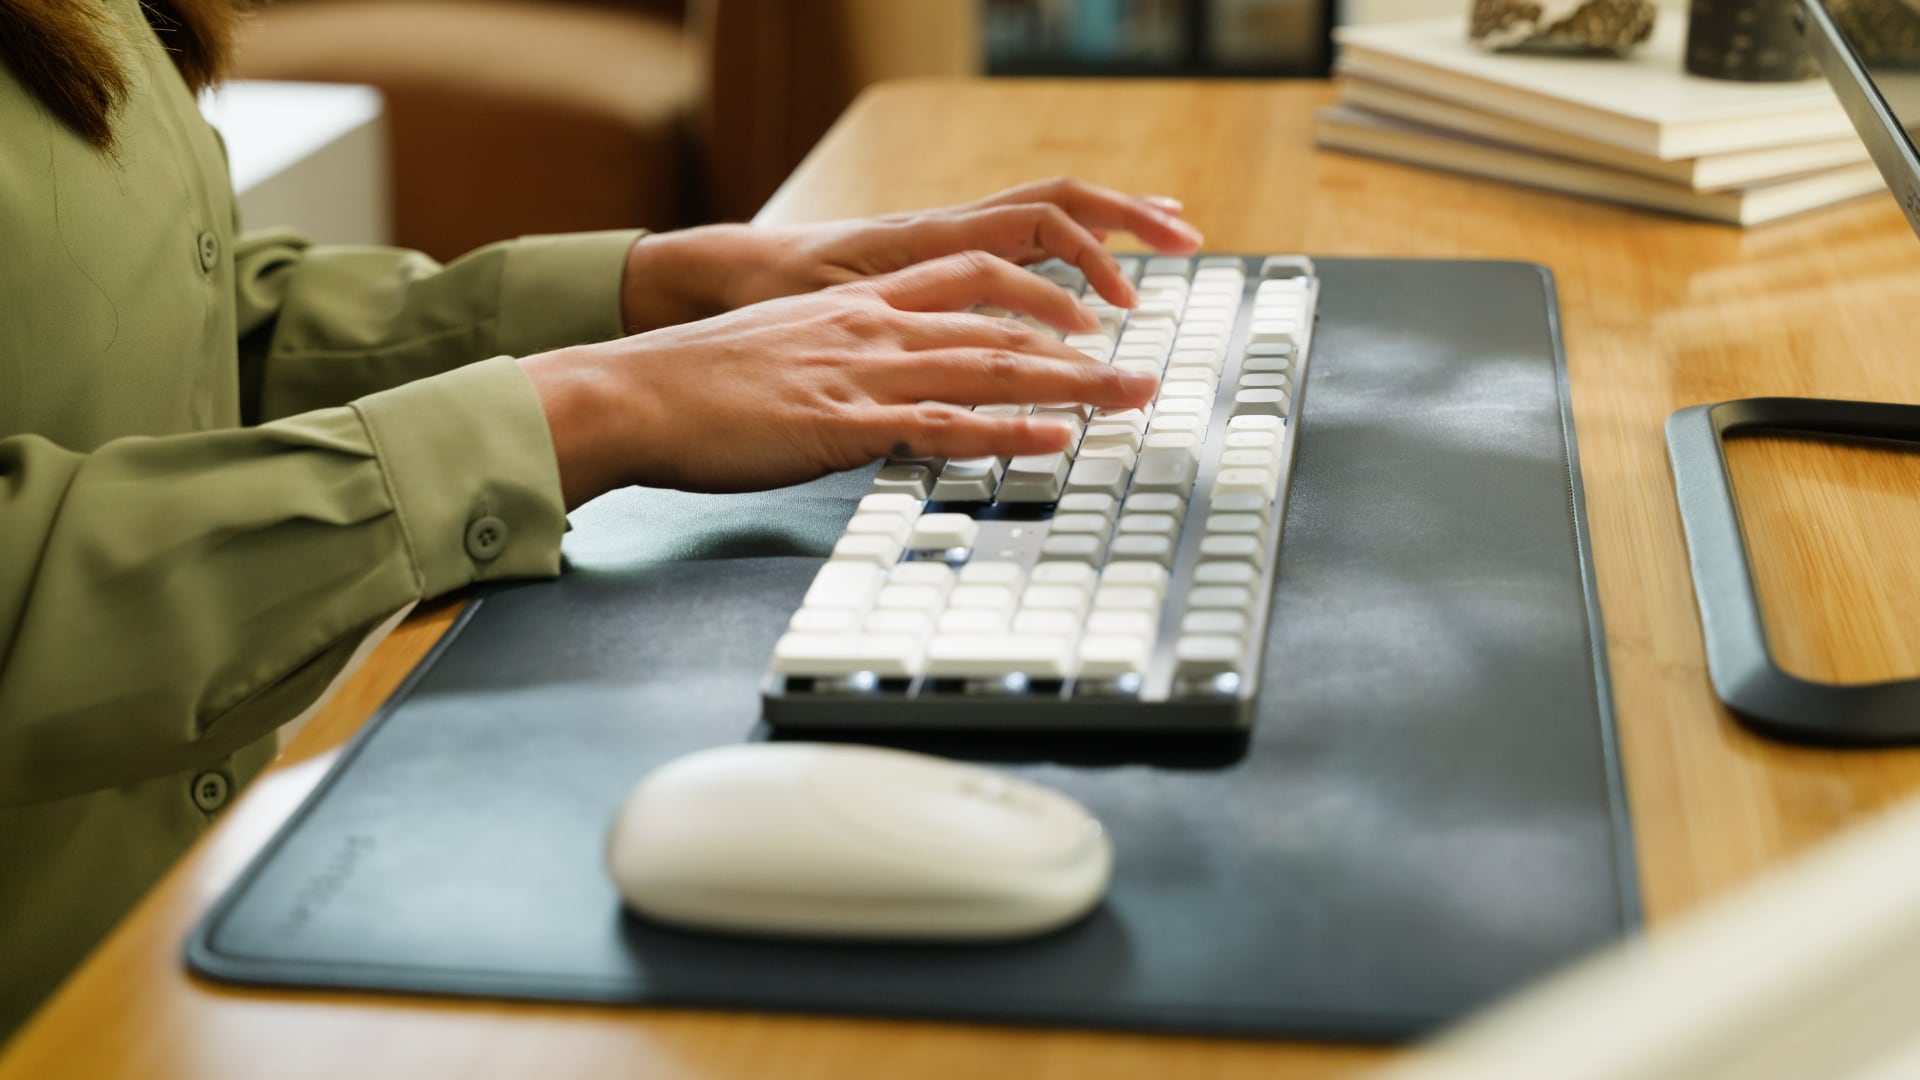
x: 677, y: 277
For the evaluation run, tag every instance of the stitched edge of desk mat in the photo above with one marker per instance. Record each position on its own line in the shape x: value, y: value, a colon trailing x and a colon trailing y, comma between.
x: 1401, y: 839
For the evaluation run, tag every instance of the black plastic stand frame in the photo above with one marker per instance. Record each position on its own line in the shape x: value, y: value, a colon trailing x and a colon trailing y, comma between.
x: 1743, y: 669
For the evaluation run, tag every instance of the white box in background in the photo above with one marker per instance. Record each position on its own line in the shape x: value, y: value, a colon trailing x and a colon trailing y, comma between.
x: 309, y: 155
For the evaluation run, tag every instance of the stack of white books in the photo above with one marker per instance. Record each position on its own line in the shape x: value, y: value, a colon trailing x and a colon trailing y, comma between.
x: 1638, y: 130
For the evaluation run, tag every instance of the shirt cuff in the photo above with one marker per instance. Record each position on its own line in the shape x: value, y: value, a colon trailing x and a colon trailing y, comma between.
x: 563, y: 290
x: 469, y: 462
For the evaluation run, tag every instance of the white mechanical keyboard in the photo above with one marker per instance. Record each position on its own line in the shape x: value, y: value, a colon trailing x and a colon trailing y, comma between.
x: 1124, y: 584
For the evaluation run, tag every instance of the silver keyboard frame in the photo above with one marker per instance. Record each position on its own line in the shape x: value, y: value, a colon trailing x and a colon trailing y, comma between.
x: 1014, y: 529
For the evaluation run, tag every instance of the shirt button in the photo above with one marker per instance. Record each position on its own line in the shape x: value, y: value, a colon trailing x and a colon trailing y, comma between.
x: 486, y: 537
x: 209, y: 251
x: 210, y: 790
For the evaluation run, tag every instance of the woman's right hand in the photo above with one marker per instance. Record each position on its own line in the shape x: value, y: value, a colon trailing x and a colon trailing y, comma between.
x: 787, y: 390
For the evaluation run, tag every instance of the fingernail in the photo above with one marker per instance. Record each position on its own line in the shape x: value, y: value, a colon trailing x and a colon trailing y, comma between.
x: 1139, y: 382
x: 1185, y: 228
x: 1166, y: 202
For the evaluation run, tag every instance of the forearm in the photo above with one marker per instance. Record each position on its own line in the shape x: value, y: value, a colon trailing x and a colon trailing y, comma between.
x: 321, y: 326
x: 163, y: 601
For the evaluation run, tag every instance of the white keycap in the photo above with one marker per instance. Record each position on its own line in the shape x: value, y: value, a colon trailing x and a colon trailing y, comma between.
x: 1112, y: 656
x: 1244, y: 482
x: 1035, y: 478
x: 906, y: 481
x: 1258, y: 380
x: 1223, y: 597
x: 1108, y: 434
x: 1168, y: 471
x: 1211, y: 346
x: 1154, y: 502
x: 1201, y: 407
x: 1241, y: 504
x: 1193, y: 373
x: 1283, y: 331
x: 1005, y: 412
x: 968, y: 479
x: 1145, y: 574
x: 1279, y: 365
x: 1256, y: 422
x: 1204, y: 655
x: 1237, y: 524
x: 900, y: 505
x: 1244, y: 548
x: 977, y: 621
x: 917, y: 624
x: 1046, y: 621
x: 993, y: 572
x: 1042, y: 656
x: 938, y: 532
x: 936, y: 574
x: 1263, y: 458
x: 1106, y: 477
x: 892, y: 526
x: 1274, y: 403
x: 1176, y: 422
x: 1054, y: 598
x: 1225, y: 573
x: 1110, y: 597
x: 1185, y: 390
x: 1100, y: 343
x: 881, y: 551
x: 1135, y: 622
x: 1081, y: 547
x: 845, y: 585
x: 1153, y: 524
x: 1253, y: 440
x: 1187, y: 442
x: 1087, y: 524
x: 980, y: 597
x: 1298, y: 267
x: 1157, y: 549
x: 1087, y: 502
x: 1065, y: 573
x: 1225, y: 623
x: 1119, y: 452
x: 817, y: 620
x: 887, y: 656
x: 926, y: 599
x: 1133, y: 418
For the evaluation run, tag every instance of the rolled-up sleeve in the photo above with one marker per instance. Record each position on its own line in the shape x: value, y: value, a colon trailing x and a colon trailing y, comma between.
x: 166, y: 600
x: 320, y: 326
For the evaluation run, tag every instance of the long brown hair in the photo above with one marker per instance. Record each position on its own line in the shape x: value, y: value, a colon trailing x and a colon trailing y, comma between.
x: 71, y: 53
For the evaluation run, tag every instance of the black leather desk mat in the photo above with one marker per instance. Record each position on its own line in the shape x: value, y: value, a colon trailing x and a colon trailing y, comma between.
x: 1427, y: 814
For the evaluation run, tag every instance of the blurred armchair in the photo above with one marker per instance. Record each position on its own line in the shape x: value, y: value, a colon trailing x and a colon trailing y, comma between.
x: 519, y: 116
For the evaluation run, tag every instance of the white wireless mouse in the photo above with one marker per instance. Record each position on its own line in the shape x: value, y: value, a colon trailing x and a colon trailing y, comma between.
x: 840, y: 841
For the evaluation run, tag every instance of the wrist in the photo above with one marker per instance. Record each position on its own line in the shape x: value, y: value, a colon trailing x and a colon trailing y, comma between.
x: 573, y: 395
x: 679, y: 277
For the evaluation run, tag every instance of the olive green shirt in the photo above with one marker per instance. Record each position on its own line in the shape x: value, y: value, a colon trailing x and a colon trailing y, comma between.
x: 223, y: 459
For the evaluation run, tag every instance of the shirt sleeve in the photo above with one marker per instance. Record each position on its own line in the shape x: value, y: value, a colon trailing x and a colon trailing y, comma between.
x: 321, y: 326
x: 229, y: 574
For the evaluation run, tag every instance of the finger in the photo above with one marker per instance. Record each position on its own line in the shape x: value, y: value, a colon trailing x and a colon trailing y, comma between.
x: 975, y: 279
x: 1027, y: 233
x: 996, y: 376
x: 929, y: 331
x: 931, y: 429
x: 1153, y: 218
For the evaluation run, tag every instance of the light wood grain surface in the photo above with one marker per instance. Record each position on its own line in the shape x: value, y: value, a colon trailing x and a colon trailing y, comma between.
x: 1659, y: 313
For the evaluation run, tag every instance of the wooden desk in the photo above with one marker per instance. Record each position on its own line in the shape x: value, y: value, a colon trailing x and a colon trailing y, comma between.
x: 1659, y: 313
